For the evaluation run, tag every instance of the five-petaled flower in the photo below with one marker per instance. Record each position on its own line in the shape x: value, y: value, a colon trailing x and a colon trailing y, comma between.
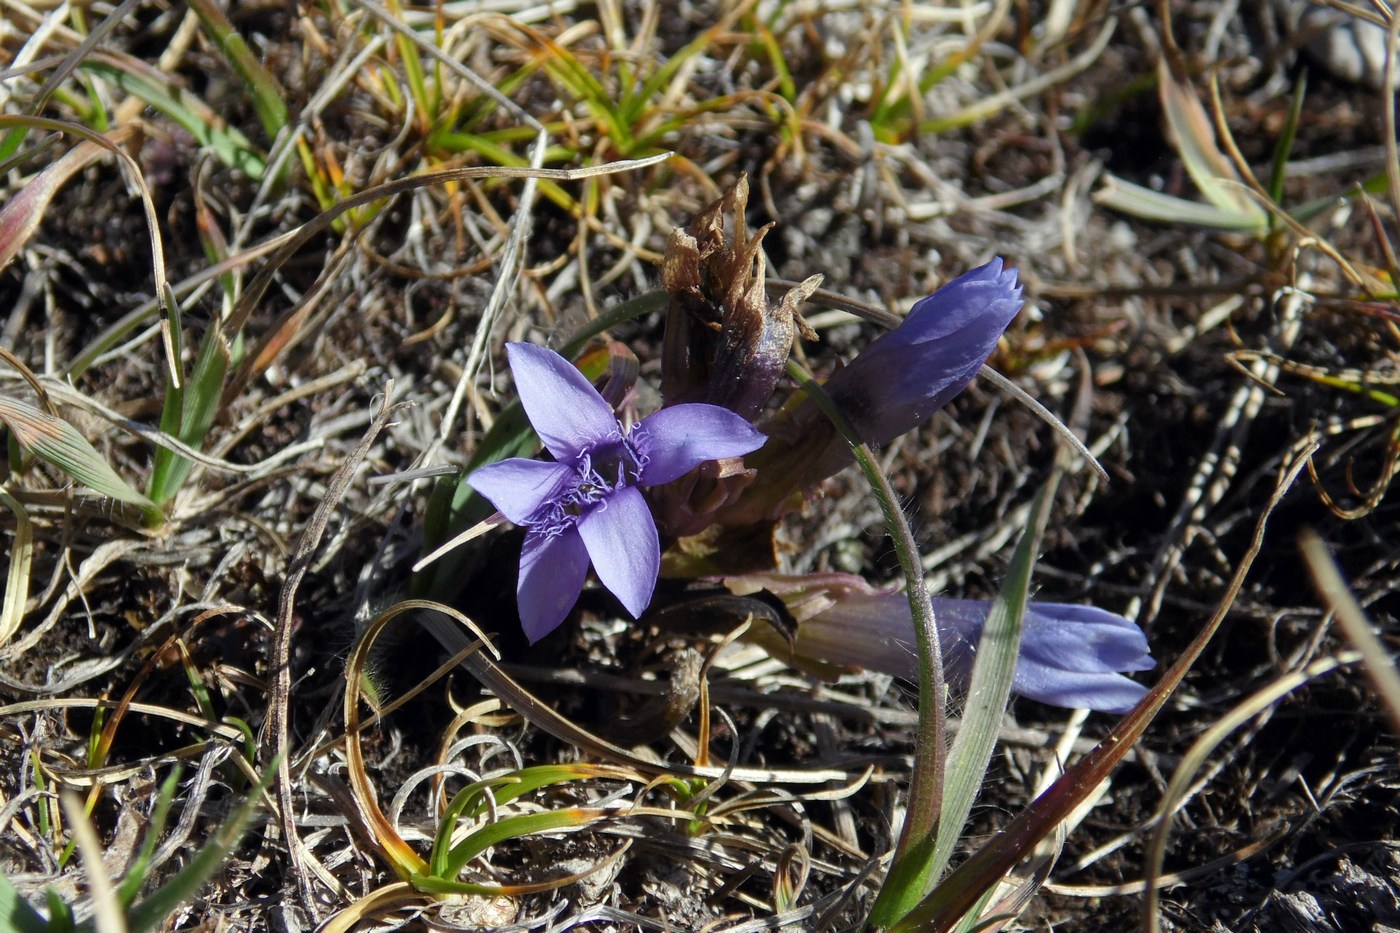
x: 586, y: 504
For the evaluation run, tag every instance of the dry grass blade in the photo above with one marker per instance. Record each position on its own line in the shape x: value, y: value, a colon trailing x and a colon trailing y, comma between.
x: 20, y: 216
x: 17, y: 570
x: 106, y: 911
x: 276, y: 735
x: 400, y: 854
x: 1380, y: 666
x: 163, y: 295
x: 1200, y: 751
x: 59, y: 443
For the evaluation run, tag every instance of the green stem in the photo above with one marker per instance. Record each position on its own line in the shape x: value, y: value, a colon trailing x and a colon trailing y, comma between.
x: 909, y: 868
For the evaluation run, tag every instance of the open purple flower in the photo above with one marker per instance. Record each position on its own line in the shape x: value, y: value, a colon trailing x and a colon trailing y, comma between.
x: 585, y: 505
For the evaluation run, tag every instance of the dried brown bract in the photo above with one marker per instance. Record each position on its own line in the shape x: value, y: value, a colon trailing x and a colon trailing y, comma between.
x: 725, y: 343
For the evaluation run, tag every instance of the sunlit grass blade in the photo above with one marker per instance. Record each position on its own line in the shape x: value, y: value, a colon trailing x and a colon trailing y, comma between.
x: 1380, y: 665
x: 136, y: 875
x: 267, y: 93
x: 1143, y: 202
x: 993, y: 671
x: 152, y: 910
x: 57, y: 442
x: 208, y: 128
x: 513, y: 827
x: 17, y: 570
x: 189, y: 411
x: 1193, y: 133
x: 1179, y: 787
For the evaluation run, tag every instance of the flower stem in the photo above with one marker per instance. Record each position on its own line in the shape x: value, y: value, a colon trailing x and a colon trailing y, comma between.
x: 909, y: 868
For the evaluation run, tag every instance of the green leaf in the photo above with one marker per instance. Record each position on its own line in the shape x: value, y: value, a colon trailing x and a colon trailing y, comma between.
x: 232, y: 147
x: 196, y: 403
x: 153, y: 910
x: 59, y: 443
x: 16, y: 914
x: 990, y: 689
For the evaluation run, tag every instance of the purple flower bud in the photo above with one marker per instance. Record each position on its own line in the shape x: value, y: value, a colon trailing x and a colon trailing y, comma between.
x: 1072, y: 656
x: 892, y: 386
x: 908, y: 373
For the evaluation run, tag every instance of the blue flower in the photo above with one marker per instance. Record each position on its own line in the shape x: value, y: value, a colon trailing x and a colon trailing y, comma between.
x: 890, y: 387
x: 1072, y: 656
x: 910, y: 372
x: 586, y: 505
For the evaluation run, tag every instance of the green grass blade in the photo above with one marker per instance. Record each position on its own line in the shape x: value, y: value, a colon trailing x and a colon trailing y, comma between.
x: 1284, y: 147
x: 990, y: 689
x: 513, y: 827
x: 197, y: 403
x: 59, y: 443
x: 232, y: 147
x: 267, y: 93
x: 16, y: 914
x: 154, y: 909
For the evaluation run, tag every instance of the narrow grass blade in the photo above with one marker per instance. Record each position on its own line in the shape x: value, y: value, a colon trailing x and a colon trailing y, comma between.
x: 1194, y: 134
x: 1380, y: 666
x: 1284, y: 147
x: 1143, y: 202
x: 990, y: 689
x: 909, y: 868
x: 59, y: 443
x: 232, y: 147
x: 136, y: 874
x: 20, y: 216
x: 267, y: 93
x: 512, y: 827
x: 189, y: 412
x: 152, y: 911
x: 17, y: 574
x: 16, y: 914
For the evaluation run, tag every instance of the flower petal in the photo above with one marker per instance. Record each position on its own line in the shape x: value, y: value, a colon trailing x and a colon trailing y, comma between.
x: 521, y: 488
x: 1084, y: 638
x: 552, y: 571
x: 1106, y: 693
x: 908, y: 373
x: 676, y: 440
x: 621, y: 538
x: 1070, y: 655
x: 566, y: 411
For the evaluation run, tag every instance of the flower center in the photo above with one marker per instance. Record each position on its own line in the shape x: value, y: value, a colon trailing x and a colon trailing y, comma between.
x: 600, y: 470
